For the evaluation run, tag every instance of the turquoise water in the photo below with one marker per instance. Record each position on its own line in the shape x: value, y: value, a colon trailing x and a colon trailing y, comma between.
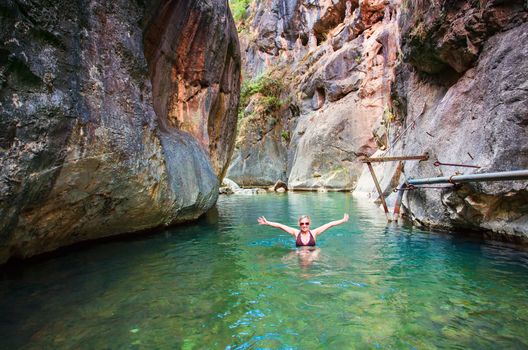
x: 228, y: 283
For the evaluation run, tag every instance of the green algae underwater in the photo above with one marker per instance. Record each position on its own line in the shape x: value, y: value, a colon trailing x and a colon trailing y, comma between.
x: 225, y: 282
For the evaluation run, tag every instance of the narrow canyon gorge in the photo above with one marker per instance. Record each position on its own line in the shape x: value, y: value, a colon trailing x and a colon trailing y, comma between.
x: 126, y: 116
x: 389, y: 78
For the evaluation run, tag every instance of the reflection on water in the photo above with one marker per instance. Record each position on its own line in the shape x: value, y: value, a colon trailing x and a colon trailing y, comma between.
x: 304, y: 255
x: 226, y: 282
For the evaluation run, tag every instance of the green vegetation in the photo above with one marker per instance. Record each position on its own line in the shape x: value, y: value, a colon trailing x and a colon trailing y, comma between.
x: 239, y: 8
x: 286, y: 135
x: 263, y: 84
x: 269, y: 89
x: 271, y: 103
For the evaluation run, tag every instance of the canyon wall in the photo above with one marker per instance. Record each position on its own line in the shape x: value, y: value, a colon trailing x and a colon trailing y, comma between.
x: 116, y: 117
x: 463, y: 84
x: 391, y: 78
x: 336, y: 62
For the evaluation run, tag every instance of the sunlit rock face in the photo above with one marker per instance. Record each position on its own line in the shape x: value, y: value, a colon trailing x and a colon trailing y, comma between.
x: 194, y: 59
x: 337, y: 60
x: 465, y: 102
x: 86, y: 149
x: 260, y: 157
x: 472, y: 111
x: 448, y: 79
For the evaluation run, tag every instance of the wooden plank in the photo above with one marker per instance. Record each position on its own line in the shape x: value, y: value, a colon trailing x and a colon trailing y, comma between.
x: 424, y: 156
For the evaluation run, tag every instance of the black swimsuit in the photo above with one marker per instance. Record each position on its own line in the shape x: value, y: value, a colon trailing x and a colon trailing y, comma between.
x: 299, y: 243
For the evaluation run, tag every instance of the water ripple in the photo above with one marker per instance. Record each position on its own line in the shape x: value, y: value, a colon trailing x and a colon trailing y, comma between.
x: 229, y: 283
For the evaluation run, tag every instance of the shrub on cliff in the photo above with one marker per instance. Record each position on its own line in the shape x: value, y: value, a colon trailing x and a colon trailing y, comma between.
x: 266, y: 91
x: 239, y: 9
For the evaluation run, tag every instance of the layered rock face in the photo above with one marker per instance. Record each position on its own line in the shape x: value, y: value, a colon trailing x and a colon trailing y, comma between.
x: 337, y: 60
x: 194, y: 59
x: 465, y: 87
x: 89, y: 147
x: 447, y: 78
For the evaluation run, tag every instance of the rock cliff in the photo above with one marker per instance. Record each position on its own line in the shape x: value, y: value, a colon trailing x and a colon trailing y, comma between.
x: 336, y: 60
x: 116, y: 117
x: 393, y: 78
x: 464, y: 85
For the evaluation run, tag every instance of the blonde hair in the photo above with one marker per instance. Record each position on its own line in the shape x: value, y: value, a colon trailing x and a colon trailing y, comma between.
x: 304, y: 217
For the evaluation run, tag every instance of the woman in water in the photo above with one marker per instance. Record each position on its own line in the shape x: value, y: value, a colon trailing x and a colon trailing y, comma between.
x: 304, y: 236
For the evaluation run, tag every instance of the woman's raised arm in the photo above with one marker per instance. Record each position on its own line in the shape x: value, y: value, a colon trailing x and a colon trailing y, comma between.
x: 325, y: 227
x: 262, y: 221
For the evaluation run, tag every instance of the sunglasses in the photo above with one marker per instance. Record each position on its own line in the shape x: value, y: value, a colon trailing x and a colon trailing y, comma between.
x: 304, y: 223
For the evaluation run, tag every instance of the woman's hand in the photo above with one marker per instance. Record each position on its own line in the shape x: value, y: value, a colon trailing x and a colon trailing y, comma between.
x: 345, y: 218
x: 262, y: 221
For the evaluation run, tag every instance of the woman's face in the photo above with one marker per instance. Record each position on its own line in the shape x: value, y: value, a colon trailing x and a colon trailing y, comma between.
x: 304, y: 224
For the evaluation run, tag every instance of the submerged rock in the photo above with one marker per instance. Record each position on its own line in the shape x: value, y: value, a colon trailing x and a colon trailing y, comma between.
x: 83, y: 153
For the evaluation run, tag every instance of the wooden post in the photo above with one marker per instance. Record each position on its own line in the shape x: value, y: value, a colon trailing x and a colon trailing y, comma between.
x: 396, y: 213
x: 397, y: 205
x: 371, y: 169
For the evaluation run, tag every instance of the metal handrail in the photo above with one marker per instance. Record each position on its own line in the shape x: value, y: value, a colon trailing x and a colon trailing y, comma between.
x: 496, y: 176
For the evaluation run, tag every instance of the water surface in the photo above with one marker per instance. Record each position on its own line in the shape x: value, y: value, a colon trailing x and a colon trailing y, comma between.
x: 228, y: 283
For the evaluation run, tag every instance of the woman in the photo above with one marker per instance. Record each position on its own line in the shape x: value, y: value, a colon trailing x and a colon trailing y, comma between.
x: 304, y: 236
